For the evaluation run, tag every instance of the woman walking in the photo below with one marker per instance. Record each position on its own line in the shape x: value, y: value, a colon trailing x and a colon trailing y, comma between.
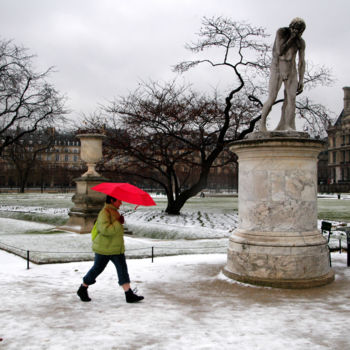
x: 109, y: 245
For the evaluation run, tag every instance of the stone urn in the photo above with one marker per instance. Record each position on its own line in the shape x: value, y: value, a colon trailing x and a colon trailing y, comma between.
x: 91, y: 151
x: 87, y: 203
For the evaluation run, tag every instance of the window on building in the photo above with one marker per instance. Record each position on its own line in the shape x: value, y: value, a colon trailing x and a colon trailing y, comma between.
x: 334, y: 142
x: 48, y: 157
x: 57, y: 157
x: 66, y: 158
x: 75, y: 158
x: 334, y: 157
x: 343, y: 156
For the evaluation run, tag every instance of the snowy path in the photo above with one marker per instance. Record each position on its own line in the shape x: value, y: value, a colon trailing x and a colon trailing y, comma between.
x: 188, y: 305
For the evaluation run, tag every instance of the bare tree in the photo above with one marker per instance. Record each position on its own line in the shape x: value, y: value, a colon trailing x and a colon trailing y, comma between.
x: 23, y: 153
x: 27, y: 100
x: 169, y: 135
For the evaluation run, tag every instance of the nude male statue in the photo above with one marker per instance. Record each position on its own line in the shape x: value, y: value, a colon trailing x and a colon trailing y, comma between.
x: 287, y: 44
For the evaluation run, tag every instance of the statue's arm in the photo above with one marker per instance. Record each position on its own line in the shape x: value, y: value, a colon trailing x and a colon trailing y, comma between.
x: 301, y: 66
x: 278, y: 44
x: 285, y: 44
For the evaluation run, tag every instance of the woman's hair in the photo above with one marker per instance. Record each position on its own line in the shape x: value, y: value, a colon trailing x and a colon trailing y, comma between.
x: 109, y: 199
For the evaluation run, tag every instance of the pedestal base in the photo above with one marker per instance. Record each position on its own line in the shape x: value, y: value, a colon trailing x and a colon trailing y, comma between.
x: 87, y: 205
x: 277, y: 243
x: 80, y: 222
x: 279, y: 259
x: 278, y: 283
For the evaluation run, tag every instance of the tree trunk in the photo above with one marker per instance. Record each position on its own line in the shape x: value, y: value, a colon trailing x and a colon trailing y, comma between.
x: 174, y: 206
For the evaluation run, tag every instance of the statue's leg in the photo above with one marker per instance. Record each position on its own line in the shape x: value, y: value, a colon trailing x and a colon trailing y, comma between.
x: 274, y: 86
x: 282, y: 123
x: 291, y: 91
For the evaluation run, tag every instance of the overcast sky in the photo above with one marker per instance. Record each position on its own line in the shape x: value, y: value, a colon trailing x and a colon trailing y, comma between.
x: 102, y: 48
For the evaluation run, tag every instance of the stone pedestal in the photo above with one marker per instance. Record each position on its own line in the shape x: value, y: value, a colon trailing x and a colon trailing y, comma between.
x: 87, y: 204
x: 277, y: 242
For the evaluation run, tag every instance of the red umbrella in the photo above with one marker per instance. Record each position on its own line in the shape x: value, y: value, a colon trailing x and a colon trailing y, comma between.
x: 125, y: 192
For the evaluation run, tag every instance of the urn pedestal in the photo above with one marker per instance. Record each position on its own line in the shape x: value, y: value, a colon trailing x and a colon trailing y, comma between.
x: 277, y: 242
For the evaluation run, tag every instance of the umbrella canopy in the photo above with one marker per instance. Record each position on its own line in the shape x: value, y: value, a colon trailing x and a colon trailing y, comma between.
x: 125, y: 192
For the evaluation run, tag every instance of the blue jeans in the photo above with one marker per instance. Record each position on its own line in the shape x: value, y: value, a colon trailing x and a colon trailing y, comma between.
x: 101, y: 262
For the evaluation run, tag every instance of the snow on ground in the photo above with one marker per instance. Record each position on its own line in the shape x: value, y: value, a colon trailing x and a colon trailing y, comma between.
x: 149, y: 223
x: 196, y: 231
x: 189, y: 304
x: 36, y: 210
x: 11, y: 226
x: 188, y: 225
x: 65, y: 247
x: 334, y: 195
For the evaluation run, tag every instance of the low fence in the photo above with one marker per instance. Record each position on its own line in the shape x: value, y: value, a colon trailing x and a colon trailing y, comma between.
x: 145, y: 252
x: 75, y: 256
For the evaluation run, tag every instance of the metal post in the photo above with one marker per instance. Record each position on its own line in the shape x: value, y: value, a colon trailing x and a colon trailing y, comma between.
x: 348, y: 246
x: 152, y: 253
x: 339, y: 245
x: 27, y: 259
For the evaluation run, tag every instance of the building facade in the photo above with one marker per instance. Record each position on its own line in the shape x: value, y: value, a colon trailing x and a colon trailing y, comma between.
x: 51, y: 161
x: 339, y: 146
x: 58, y: 163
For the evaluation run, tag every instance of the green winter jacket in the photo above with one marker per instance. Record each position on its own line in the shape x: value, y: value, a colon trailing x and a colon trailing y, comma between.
x: 110, y: 238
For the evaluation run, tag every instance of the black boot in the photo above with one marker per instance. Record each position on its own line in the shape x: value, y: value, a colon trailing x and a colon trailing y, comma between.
x: 83, y: 294
x: 131, y: 297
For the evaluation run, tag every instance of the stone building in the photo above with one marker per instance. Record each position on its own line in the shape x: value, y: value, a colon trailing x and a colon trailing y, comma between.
x: 53, y: 160
x: 339, y: 148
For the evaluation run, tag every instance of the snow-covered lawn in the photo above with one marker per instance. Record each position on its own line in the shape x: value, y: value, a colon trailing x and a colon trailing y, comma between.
x: 28, y: 222
x: 188, y: 304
